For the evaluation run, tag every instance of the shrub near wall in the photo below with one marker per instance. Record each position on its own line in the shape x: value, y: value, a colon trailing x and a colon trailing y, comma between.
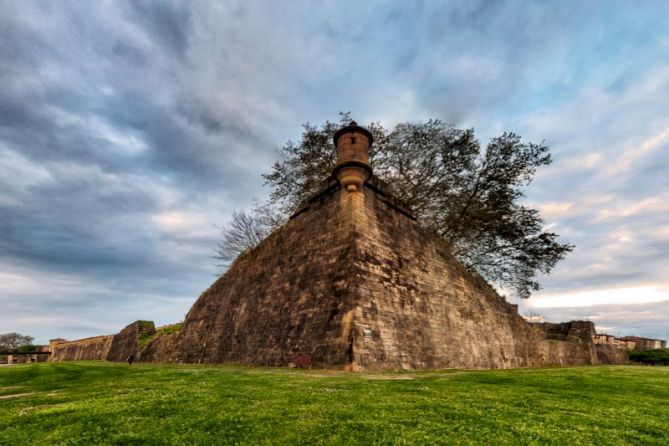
x: 658, y: 356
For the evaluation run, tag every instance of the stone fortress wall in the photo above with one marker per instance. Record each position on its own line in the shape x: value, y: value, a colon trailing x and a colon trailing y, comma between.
x: 106, y: 348
x: 93, y: 348
x: 352, y: 281
x: 287, y: 297
x: 374, y: 291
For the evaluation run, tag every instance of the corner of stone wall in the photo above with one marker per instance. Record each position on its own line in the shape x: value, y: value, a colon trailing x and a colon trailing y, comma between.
x: 611, y: 354
x: 125, y: 342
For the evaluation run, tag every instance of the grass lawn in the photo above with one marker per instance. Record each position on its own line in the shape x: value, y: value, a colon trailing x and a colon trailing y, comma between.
x: 104, y: 403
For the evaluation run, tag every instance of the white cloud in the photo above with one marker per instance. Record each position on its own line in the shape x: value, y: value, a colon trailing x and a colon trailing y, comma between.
x: 19, y: 173
x: 605, y: 296
x: 630, y: 157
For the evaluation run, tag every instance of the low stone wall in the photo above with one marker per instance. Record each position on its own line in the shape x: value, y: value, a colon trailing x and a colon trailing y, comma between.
x: 611, y: 354
x: 125, y: 342
x: 163, y: 349
x: 110, y: 348
x: 568, y: 331
x: 82, y: 349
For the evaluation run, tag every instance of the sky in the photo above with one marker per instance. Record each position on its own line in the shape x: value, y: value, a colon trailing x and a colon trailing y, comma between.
x: 130, y: 130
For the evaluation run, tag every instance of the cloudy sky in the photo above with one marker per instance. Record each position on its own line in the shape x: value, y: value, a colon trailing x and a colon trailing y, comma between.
x: 129, y: 129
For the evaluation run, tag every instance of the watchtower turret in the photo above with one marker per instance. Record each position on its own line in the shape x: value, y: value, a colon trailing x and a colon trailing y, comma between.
x: 353, y: 169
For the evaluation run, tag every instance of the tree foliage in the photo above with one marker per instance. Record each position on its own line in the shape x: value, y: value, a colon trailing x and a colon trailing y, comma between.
x: 469, y: 194
x: 13, y: 341
x: 659, y: 356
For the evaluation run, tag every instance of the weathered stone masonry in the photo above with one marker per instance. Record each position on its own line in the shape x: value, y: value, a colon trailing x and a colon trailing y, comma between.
x: 289, y: 296
x: 96, y: 347
x: 110, y: 348
x: 352, y: 281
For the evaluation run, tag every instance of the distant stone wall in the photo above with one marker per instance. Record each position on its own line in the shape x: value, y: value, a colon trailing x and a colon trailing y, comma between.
x: 165, y: 348
x: 110, y: 348
x: 611, y: 354
x: 83, y: 349
x: 576, y: 331
x: 124, y: 343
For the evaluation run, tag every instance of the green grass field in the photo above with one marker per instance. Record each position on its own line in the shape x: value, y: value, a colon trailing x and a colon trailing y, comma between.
x: 103, y: 403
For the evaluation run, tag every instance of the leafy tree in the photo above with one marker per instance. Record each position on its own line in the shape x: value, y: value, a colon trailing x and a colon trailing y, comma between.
x: 467, y: 193
x: 30, y: 348
x: 658, y: 356
x: 12, y: 341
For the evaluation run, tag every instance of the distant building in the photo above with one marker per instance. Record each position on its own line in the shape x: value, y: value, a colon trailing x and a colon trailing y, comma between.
x: 642, y: 344
x: 603, y: 338
x: 626, y: 344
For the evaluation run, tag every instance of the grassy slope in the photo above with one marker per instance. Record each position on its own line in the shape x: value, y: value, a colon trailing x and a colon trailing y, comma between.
x: 102, y: 403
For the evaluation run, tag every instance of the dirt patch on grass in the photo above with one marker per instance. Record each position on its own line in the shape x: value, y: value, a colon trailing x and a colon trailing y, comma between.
x: 16, y: 395
x: 450, y: 375
x: 343, y: 374
x: 2, y: 389
x: 388, y: 377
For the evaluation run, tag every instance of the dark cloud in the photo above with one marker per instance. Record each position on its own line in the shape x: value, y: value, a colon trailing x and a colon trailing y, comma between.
x: 168, y: 23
